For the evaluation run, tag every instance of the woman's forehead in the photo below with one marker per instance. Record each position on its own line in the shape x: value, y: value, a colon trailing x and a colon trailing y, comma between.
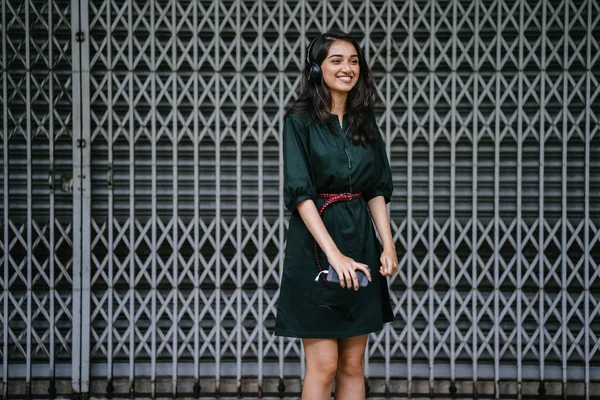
x: 342, y: 48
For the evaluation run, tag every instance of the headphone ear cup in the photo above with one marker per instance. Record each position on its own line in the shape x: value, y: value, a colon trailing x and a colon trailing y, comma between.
x: 314, y: 73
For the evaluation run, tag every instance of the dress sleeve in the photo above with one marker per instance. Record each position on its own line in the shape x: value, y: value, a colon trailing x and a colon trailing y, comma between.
x: 298, y: 178
x: 382, y: 184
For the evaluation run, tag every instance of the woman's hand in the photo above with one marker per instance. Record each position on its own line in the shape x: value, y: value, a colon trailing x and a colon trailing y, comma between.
x: 389, y: 259
x: 389, y: 262
x: 346, y: 269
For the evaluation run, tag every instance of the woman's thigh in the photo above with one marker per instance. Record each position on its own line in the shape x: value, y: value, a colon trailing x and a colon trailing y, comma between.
x: 321, y: 354
x: 351, y: 353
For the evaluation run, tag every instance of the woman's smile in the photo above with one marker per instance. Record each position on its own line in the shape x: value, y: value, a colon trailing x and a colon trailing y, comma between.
x: 345, y: 78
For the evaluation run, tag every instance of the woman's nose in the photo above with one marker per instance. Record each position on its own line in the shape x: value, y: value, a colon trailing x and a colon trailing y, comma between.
x: 346, y: 67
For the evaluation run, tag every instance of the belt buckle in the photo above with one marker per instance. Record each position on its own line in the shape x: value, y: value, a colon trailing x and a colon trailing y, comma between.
x: 348, y: 196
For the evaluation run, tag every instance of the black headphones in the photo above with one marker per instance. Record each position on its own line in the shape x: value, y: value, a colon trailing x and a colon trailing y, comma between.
x: 314, y: 69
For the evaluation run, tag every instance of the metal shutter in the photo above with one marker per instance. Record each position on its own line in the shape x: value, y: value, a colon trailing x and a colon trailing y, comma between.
x: 490, y: 112
x: 36, y: 243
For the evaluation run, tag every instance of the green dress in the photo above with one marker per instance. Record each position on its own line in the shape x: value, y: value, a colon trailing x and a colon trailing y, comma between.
x: 316, y: 161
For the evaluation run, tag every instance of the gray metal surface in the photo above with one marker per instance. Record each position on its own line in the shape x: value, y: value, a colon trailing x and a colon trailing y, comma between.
x: 37, y: 201
x: 162, y: 257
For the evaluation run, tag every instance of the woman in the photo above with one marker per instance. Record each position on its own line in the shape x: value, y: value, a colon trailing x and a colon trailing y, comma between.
x: 335, y: 165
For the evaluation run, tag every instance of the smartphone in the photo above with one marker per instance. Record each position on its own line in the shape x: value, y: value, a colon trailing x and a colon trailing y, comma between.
x: 333, y: 277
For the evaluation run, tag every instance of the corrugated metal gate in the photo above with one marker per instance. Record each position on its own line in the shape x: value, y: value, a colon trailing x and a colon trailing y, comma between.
x: 142, y: 222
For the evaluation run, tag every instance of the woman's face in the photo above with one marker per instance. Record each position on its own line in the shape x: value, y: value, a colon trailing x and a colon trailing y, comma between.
x: 340, y: 67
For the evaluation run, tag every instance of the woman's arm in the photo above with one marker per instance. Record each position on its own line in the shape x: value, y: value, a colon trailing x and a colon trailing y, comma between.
x: 389, y: 260
x: 344, y: 266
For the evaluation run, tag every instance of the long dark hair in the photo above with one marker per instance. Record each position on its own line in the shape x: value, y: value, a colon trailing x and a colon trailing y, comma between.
x: 315, y: 98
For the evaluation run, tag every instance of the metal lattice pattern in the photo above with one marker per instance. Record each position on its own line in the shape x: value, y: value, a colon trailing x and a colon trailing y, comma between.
x: 36, y: 247
x: 490, y: 114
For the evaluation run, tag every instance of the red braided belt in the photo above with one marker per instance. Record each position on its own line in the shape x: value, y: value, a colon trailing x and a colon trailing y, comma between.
x: 331, y: 198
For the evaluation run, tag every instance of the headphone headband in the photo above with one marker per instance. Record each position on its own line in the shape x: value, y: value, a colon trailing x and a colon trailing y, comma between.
x: 314, y: 69
x: 309, y: 48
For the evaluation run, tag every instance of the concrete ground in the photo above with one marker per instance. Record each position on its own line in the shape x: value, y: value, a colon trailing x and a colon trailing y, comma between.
x: 378, y: 390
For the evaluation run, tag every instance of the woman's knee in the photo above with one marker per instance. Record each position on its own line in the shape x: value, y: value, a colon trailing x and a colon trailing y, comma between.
x: 351, y: 366
x: 321, y: 358
x: 325, y: 370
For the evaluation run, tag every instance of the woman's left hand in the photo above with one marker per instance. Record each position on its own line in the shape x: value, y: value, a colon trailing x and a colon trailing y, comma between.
x: 389, y: 262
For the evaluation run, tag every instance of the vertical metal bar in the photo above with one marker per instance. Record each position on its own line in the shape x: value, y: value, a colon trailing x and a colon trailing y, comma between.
x: 345, y: 6
x: 175, y: 140
x: 497, y: 140
x: 520, y: 295
x: 132, y: 269
x: 474, y: 189
x: 77, y: 159
x: 564, y: 221
x: 586, y: 212
x: 51, y: 137
x: 218, y: 223
x: 541, y: 221
x: 324, y: 26
x: 281, y: 111
x: 409, y: 199
x: 261, y: 221
x: 454, y: 136
x: 86, y: 188
x: 196, y: 290
x: 431, y: 217
x: 238, y: 196
x: 28, y: 140
x: 367, y: 46
x: 153, y: 138
x: 111, y: 245
x: 5, y: 221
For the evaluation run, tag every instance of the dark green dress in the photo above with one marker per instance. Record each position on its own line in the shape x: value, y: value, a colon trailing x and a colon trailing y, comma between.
x: 315, y: 161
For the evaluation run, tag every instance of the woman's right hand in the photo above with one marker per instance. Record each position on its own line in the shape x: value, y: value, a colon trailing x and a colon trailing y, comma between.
x: 346, y: 269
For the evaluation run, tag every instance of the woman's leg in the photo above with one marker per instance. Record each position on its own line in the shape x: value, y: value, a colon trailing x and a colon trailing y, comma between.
x: 321, y: 363
x: 350, y: 378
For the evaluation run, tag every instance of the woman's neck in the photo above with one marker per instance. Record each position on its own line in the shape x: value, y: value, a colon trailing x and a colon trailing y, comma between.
x: 338, y: 106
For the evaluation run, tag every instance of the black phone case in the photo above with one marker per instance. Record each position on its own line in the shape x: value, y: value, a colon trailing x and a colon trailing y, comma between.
x: 333, y: 277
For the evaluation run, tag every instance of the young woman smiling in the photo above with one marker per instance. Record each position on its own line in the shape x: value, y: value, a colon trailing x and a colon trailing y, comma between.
x: 334, y: 289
